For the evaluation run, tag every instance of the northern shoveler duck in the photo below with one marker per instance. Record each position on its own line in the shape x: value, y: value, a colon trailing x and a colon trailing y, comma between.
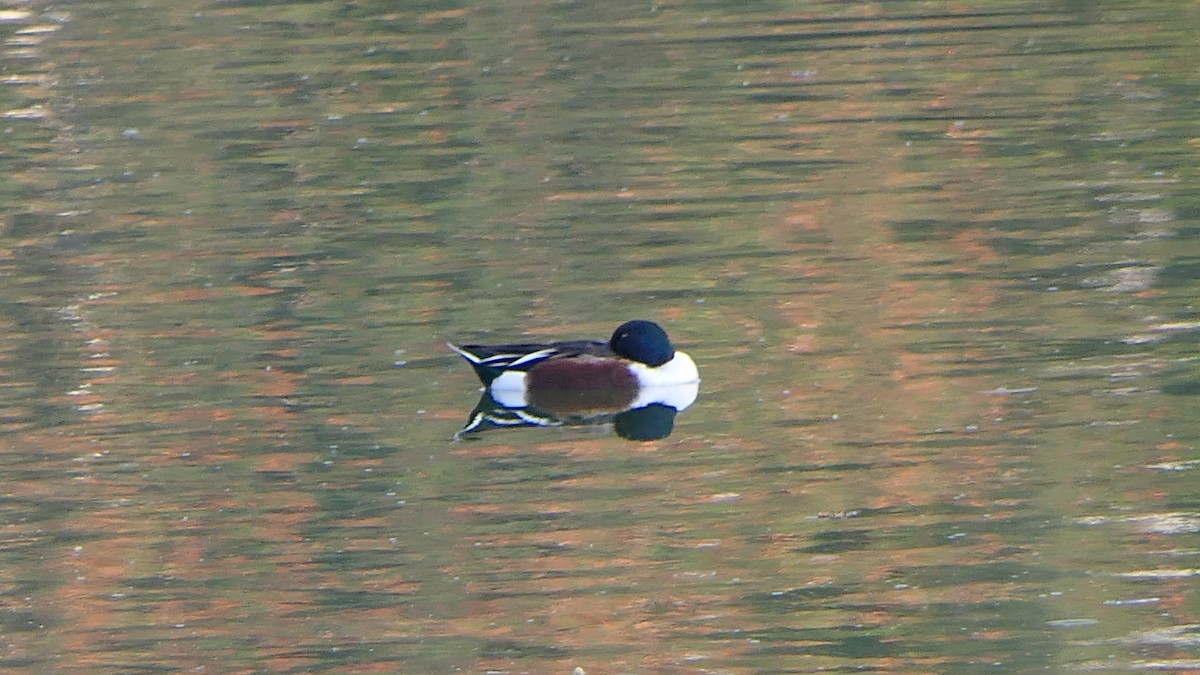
x: 582, y: 375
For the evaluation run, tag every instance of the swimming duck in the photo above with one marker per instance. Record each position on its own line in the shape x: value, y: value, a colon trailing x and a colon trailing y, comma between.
x: 582, y: 375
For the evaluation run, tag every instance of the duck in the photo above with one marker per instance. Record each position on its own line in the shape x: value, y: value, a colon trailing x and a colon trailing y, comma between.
x: 579, y: 376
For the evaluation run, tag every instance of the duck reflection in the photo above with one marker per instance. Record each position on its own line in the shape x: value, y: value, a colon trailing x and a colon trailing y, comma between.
x: 650, y: 418
x: 637, y: 381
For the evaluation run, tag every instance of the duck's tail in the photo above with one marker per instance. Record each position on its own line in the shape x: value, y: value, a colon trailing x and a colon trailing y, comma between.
x: 485, y: 372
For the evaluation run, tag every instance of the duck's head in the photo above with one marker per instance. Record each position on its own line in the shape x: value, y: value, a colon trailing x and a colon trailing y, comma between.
x: 642, y: 341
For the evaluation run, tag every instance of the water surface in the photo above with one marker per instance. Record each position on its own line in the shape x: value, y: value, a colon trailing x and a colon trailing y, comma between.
x: 937, y: 264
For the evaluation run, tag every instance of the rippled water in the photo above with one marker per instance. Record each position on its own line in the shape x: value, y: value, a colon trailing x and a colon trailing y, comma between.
x: 937, y: 263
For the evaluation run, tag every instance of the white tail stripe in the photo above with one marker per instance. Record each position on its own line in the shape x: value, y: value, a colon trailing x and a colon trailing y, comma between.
x: 504, y: 361
x: 463, y: 353
x: 535, y: 356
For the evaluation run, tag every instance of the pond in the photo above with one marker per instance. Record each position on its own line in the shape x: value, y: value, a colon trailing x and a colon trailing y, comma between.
x: 937, y: 264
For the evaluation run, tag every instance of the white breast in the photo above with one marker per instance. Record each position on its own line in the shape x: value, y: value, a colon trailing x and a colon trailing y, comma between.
x: 679, y: 370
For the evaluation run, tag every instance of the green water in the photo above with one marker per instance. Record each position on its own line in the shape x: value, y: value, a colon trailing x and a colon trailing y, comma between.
x: 937, y: 262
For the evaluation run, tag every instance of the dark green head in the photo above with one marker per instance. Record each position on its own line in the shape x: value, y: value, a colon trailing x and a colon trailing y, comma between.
x: 642, y: 341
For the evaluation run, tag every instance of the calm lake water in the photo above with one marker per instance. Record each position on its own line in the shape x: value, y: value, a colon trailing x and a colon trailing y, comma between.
x: 938, y: 263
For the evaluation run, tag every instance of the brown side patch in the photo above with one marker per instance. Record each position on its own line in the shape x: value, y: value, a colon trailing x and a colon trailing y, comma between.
x: 581, y: 385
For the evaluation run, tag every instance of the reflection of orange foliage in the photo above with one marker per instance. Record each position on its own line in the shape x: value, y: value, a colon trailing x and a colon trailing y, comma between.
x: 205, y: 294
x: 444, y: 15
x: 206, y: 538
